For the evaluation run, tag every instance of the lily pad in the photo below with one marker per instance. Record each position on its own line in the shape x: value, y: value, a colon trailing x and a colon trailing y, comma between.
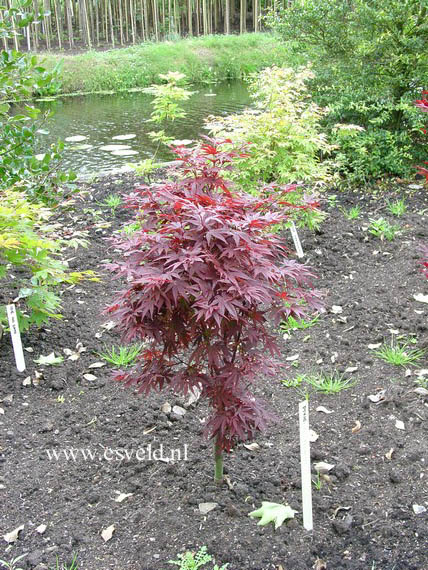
x: 112, y: 147
x: 123, y: 137
x: 124, y: 152
x: 76, y: 138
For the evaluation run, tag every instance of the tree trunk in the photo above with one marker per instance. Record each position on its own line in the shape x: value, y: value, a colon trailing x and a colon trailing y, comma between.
x: 243, y: 17
x: 227, y: 16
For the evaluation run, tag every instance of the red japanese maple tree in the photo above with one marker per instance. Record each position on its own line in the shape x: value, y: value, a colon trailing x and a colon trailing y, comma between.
x: 204, y: 278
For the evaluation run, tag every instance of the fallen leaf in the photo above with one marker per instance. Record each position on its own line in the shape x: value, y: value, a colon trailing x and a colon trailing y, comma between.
x: 97, y: 365
x: 421, y: 391
x: 351, y: 369
x: 252, y: 446
x: 376, y: 398
x: 12, y: 536
x: 122, y: 496
x: 292, y: 358
x: 422, y: 372
x: 8, y: 399
x: 273, y: 512
x: 195, y: 394
x: 374, y: 346
x: 29, y: 349
x: 319, y: 565
x: 38, y: 376
x: 421, y: 298
x: 419, y: 509
x: 357, y: 427
x: 107, y: 533
x: 27, y: 381
x: 149, y: 430
x: 41, y: 528
x: 324, y: 410
x: 336, y: 309
x: 389, y: 454
x: 323, y: 467
x: 205, y: 508
x: 399, y: 424
x: 49, y: 360
x: 1, y: 412
x: 178, y: 411
x: 89, y: 377
x: 313, y: 436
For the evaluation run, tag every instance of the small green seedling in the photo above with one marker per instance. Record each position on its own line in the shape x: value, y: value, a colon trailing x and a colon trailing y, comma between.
x: 353, y: 213
x: 72, y: 566
x: 122, y: 356
x: 382, y: 229
x: 273, y: 512
x: 12, y: 564
x: 329, y: 383
x: 195, y: 560
x: 292, y: 324
x: 317, y: 482
x: 397, y: 208
x: 398, y: 353
x: 113, y: 201
x: 332, y: 200
x: 292, y: 382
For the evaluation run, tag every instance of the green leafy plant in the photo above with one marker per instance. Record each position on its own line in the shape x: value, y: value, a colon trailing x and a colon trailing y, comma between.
x: 30, y: 264
x: 195, y: 560
x: 113, y: 201
x: 293, y: 382
x: 398, y: 353
x: 167, y: 108
x: 122, y: 356
x: 292, y: 324
x: 317, y: 482
x: 383, y: 229
x: 397, y: 208
x: 273, y: 512
x: 283, y: 127
x: 329, y: 383
x: 353, y: 213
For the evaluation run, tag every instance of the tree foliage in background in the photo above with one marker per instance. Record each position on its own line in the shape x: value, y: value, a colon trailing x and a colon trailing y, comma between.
x: 283, y: 128
x: 30, y: 251
x: 370, y: 59
x: 20, y: 78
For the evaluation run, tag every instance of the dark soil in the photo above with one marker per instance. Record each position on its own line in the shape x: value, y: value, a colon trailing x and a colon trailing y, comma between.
x: 364, y: 511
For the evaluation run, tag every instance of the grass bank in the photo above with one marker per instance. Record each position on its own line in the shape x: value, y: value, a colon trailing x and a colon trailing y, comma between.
x: 207, y: 59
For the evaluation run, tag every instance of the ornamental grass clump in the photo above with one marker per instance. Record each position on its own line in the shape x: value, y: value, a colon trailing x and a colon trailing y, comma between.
x: 204, y: 277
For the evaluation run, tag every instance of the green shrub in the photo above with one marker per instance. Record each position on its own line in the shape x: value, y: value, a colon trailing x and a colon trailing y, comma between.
x: 30, y: 267
x: 370, y: 59
x: 283, y: 129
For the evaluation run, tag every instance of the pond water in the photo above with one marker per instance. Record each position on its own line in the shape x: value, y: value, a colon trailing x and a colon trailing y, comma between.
x: 101, y: 118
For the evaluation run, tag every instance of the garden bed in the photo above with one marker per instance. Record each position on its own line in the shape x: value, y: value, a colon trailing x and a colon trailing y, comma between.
x: 364, y: 510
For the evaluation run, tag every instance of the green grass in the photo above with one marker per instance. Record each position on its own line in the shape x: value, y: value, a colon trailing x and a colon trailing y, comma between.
x: 353, y: 213
x: 397, y: 208
x: 327, y: 383
x: 122, y: 356
x: 399, y: 354
x: 203, y: 60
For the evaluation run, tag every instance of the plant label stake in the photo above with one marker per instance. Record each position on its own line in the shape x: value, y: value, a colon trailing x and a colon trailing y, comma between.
x: 305, y: 465
x: 16, y: 337
x: 296, y: 240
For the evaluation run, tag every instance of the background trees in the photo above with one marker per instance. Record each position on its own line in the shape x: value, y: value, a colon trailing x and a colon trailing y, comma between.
x: 93, y: 23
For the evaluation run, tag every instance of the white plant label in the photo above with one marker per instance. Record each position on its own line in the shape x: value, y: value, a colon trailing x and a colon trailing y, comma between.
x: 305, y: 464
x: 16, y: 337
x: 296, y: 240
